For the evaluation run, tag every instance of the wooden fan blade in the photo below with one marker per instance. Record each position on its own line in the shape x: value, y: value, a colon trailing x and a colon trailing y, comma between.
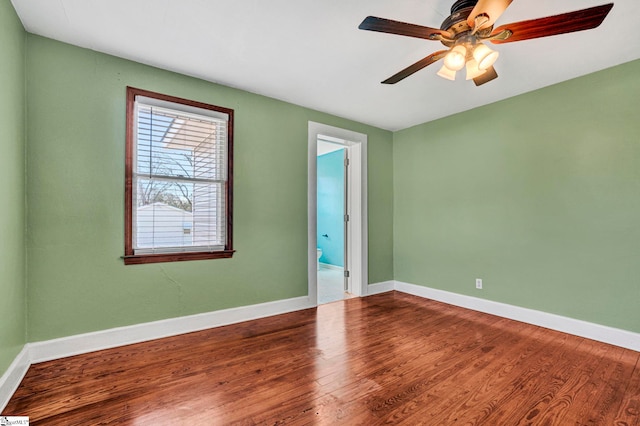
x: 570, y: 22
x: 424, y: 62
x: 372, y: 23
x: 491, y: 8
x: 489, y: 74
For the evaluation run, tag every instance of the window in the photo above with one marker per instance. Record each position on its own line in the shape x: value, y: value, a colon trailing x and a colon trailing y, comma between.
x: 178, y: 183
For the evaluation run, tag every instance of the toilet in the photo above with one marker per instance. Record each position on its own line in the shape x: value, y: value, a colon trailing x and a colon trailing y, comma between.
x: 319, y: 253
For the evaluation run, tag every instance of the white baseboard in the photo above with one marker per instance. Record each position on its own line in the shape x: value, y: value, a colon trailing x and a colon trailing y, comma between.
x: 601, y: 333
x: 105, y: 339
x: 11, y: 379
x: 381, y: 287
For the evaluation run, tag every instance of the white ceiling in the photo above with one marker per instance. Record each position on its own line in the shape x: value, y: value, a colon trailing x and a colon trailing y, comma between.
x: 311, y: 53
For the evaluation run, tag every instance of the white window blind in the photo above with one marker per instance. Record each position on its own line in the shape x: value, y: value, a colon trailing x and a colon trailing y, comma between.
x: 179, y: 178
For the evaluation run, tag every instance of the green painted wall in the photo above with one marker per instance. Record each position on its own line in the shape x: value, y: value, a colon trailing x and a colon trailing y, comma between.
x: 77, y: 281
x: 539, y: 195
x: 12, y: 187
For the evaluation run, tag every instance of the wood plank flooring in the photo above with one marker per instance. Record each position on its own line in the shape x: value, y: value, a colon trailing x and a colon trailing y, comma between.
x: 385, y: 359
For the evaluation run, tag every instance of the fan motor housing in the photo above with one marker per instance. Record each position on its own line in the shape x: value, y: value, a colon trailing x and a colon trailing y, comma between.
x: 456, y: 23
x: 463, y: 4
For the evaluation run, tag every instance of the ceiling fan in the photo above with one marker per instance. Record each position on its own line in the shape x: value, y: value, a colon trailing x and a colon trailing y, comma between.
x: 470, y: 25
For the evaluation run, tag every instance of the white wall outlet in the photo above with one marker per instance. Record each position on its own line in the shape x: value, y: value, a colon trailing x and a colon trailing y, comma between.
x: 479, y: 283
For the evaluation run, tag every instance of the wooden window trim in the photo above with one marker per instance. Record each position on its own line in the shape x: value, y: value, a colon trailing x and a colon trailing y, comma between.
x: 130, y: 258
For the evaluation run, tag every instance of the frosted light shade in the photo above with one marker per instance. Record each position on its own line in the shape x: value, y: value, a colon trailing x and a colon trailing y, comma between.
x: 447, y: 73
x: 472, y: 69
x: 455, y: 59
x: 484, y: 56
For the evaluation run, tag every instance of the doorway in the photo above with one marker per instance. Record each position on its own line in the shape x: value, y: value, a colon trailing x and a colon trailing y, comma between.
x: 332, y: 224
x: 354, y: 266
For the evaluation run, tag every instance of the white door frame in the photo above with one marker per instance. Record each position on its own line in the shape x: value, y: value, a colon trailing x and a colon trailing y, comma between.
x: 357, y: 245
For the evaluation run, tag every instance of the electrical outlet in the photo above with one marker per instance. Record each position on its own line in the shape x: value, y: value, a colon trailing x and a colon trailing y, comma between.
x: 479, y: 283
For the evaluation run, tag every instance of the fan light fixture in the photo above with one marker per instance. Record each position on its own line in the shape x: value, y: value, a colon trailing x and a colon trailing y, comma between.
x: 484, y: 56
x: 472, y: 69
x: 447, y: 73
x: 456, y: 58
x: 470, y: 25
x: 477, y: 59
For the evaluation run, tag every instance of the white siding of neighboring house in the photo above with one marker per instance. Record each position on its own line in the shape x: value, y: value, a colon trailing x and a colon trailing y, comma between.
x: 161, y: 225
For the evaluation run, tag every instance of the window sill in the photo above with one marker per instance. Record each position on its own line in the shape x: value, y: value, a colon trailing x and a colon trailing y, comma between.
x: 175, y: 257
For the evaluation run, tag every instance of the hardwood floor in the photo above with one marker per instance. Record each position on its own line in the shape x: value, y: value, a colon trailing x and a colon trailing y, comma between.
x: 385, y: 359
